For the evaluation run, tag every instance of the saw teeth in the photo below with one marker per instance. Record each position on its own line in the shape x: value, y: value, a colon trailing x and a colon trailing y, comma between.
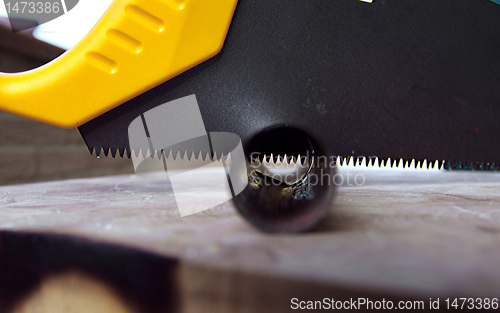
x: 196, y: 158
x: 176, y: 155
x: 189, y: 155
x: 285, y: 160
x: 281, y: 161
x: 470, y: 166
x: 389, y: 162
x: 99, y: 151
x: 282, y: 168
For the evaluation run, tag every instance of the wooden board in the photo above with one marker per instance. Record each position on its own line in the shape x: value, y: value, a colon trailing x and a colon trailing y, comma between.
x: 403, y: 235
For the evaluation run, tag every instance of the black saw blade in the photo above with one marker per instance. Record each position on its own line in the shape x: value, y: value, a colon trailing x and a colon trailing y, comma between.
x: 399, y: 79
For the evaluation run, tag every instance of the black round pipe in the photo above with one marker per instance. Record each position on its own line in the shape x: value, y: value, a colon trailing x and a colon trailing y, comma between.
x: 275, y: 206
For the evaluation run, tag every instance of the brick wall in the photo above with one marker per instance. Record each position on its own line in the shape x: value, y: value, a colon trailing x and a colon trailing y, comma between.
x: 20, y: 51
x: 31, y: 151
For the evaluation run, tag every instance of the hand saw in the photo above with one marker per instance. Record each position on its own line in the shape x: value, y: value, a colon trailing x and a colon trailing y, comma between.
x: 398, y: 79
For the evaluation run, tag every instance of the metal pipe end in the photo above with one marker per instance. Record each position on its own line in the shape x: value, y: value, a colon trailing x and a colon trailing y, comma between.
x: 274, y: 202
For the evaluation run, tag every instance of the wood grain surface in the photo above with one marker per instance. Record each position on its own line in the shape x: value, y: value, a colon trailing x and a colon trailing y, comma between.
x: 402, y: 235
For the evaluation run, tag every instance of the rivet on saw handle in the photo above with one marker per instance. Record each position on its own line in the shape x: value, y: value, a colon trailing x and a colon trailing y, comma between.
x: 290, y: 187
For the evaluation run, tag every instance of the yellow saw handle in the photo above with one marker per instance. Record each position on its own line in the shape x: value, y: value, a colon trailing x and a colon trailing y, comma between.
x: 135, y: 46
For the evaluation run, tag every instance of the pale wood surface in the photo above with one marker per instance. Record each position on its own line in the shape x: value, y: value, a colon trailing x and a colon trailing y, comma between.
x: 405, y: 233
x: 72, y: 292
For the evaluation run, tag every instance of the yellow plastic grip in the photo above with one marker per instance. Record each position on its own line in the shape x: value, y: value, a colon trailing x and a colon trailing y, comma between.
x: 135, y: 46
